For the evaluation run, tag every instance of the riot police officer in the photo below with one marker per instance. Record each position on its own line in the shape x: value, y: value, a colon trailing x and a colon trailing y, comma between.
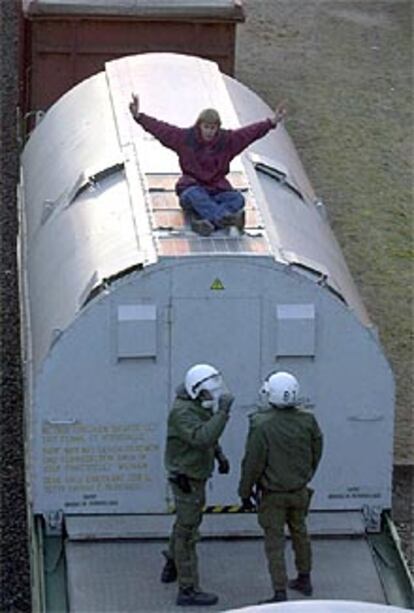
x: 197, y: 419
x: 283, y: 450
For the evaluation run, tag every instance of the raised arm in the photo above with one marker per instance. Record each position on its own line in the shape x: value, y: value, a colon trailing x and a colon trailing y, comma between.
x: 170, y: 136
x: 198, y: 433
x: 243, y: 137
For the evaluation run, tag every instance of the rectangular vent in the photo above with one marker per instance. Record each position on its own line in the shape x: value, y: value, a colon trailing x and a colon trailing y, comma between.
x: 137, y: 331
x: 295, y: 330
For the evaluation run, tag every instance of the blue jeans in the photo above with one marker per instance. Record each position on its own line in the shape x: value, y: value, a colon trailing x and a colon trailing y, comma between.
x: 211, y: 206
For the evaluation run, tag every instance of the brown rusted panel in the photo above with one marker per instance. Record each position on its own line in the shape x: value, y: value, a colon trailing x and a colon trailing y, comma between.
x: 168, y: 214
x: 249, y: 204
x: 62, y: 52
x: 258, y: 245
x: 161, y: 182
x: 252, y: 219
x: 174, y: 247
x: 165, y: 200
x: 238, y: 180
x: 186, y: 245
x: 164, y: 182
x: 169, y: 219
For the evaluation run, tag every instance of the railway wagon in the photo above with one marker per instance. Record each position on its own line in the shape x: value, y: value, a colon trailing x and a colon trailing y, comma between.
x: 120, y: 298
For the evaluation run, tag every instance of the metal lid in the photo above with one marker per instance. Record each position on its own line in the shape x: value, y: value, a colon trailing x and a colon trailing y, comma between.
x: 142, y: 9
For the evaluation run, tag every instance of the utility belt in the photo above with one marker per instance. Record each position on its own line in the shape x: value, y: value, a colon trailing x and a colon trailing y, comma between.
x: 182, y: 481
x: 309, y: 490
x: 266, y: 491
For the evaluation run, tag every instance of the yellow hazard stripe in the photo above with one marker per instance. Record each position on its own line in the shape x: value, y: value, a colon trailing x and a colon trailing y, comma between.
x: 230, y: 508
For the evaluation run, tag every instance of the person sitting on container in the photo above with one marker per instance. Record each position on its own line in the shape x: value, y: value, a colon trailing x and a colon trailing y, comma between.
x: 195, y: 423
x: 205, y: 151
x: 283, y: 450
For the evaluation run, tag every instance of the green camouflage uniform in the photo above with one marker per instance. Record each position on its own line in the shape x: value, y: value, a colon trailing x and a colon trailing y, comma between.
x: 283, y: 450
x: 192, y: 443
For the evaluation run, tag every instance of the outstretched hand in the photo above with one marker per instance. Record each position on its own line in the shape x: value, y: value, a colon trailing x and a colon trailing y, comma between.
x: 280, y: 112
x: 134, y: 106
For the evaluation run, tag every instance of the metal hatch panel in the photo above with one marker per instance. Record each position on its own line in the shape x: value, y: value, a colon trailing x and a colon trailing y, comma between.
x: 75, y: 139
x: 292, y: 224
x: 73, y: 252
x: 196, y: 83
x: 77, y: 216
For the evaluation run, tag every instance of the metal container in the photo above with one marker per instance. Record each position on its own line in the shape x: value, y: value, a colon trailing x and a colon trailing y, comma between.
x: 121, y: 298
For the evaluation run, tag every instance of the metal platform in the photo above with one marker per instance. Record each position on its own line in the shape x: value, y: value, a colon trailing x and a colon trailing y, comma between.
x: 124, y: 576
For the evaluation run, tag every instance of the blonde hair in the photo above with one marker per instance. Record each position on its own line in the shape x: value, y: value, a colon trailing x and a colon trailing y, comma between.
x: 209, y: 116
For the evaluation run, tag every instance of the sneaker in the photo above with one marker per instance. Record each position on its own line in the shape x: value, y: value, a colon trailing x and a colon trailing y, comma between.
x: 302, y: 584
x: 279, y: 596
x: 189, y: 597
x: 233, y: 219
x: 204, y: 227
x: 169, y: 572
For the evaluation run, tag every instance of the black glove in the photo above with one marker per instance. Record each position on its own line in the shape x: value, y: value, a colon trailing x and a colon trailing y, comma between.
x: 223, y: 464
x: 248, y: 504
x: 225, y: 402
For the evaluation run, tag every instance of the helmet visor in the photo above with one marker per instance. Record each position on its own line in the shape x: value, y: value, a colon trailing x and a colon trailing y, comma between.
x: 213, y: 384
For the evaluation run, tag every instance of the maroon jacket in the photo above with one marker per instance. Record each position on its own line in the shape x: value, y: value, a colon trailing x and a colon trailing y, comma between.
x: 204, y: 163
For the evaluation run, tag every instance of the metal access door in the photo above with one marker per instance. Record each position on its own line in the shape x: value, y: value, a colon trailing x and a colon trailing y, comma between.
x: 225, y: 332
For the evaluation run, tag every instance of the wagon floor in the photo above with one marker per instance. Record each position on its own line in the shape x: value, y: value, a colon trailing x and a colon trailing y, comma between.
x: 124, y: 575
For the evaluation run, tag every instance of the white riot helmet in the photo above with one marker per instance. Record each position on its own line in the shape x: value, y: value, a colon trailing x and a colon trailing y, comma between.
x: 283, y: 389
x: 264, y: 394
x: 202, y: 377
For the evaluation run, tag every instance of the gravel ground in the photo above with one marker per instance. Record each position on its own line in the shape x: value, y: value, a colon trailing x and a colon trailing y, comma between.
x: 14, y: 566
x: 345, y: 67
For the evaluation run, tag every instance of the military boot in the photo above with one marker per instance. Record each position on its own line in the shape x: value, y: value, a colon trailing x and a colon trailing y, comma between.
x: 279, y: 596
x: 191, y: 597
x: 302, y: 584
x: 169, y: 572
